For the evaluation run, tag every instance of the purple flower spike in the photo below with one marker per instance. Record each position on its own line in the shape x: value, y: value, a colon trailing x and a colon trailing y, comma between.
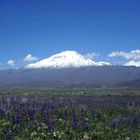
x: 135, y: 121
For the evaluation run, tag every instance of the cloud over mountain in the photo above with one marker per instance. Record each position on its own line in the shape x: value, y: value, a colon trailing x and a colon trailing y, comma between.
x: 30, y: 58
x: 132, y: 55
x: 11, y: 62
x: 92, y: 55
x: 132, y: 63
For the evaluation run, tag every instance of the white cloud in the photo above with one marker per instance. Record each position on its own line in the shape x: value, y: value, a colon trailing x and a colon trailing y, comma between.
x: 132, y: 55
x: 92, y: 55
x: 30, y: 58
x: 11, y: 62
x: 133, y: 63
x: 103, y: 63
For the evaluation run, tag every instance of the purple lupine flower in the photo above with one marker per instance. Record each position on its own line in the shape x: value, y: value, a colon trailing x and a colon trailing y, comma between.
x: 47, y: 120
x: 115, y: 122
x: 2, y: 112
x: 49, y: 126
x: 43, y: 112
x: 135, y: 121
x: 31, y: 112
x: 65, y: 117
x: 74, y: 121
x: 124, y: 120
x: 18, y: 119
x: 45, y: 116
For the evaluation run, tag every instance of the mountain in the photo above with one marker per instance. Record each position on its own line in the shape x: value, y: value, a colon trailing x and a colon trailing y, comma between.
x: 66, y: 59
x: 83, y: 77
x: 70, y: 69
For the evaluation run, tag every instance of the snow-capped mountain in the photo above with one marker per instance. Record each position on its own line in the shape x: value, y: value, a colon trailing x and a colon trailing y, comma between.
x: 66, y: 59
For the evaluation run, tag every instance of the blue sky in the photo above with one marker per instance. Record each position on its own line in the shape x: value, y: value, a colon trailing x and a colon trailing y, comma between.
x: 45, y: 27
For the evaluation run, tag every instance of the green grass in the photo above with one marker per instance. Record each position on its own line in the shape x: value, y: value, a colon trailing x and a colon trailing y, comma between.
x: 94, y: 91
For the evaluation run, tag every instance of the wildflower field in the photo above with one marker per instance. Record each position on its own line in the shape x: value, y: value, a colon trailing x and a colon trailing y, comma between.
x: 69, y: 116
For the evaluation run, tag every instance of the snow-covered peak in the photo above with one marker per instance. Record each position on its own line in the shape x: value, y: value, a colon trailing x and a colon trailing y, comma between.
x: 65, y: 59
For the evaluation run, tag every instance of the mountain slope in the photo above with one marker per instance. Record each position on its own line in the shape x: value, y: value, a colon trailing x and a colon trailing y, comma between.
x: 66, y: 59
x: 84, y: 77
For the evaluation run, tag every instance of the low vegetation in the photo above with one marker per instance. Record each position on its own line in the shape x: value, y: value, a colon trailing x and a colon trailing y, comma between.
x: 69, y: 117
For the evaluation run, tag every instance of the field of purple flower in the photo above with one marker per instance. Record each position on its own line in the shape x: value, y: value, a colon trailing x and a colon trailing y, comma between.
x: 69, y: 117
